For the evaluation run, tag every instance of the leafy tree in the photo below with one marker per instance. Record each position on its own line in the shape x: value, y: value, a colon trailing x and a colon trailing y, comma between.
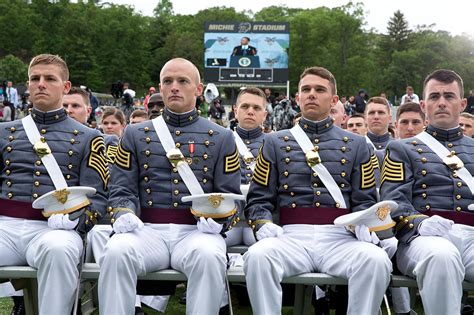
x: 13, y: 69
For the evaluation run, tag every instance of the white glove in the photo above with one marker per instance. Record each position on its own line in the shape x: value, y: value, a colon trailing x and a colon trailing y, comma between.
x: 61, y: 222
x: 126, y: 223
x: 363, y: 234
x: 435, y: 226
x: 269, y: 230
x: 209, y: 226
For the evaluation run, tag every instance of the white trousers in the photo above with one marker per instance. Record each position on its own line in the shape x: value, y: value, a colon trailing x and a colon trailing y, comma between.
x: 240, y: 235
x: 201, y: 257
x: 439, y: 265
x: 55, y: 253
x: 97, y: 239
x: 324, y: 248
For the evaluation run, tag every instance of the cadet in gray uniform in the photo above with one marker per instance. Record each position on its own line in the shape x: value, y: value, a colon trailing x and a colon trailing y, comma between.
x: 250, y: 112
x: 145, y: 184
x: 311, y: 186
x: 429, y: 176
x: 53, y: 245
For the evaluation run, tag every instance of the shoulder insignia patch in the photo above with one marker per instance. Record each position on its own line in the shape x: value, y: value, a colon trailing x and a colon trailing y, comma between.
x: 232, y: 162
x: 261, y: 175
x: 123, y: 158
x: 375, y: 161
x: 367, y: 178
x: 111, y: 153
x: 98, y: 161
x: 391, y: 170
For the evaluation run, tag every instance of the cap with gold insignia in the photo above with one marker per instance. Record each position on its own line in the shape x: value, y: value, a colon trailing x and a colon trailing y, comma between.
x: 64, y: 201
x: 214, y: 205
x: 377, y: 218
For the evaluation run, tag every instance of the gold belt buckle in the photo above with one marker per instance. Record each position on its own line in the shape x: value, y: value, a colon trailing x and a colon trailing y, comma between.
x: 41, y: 148
x: 453, y: 162
x: 248, y: 158
x: 175, y: 157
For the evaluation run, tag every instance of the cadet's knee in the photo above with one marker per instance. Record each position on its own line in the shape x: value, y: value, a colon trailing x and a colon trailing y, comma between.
x: 209, y: 254
x: 376, y: 259
x: 116, y: 249
x: 260, y: 253
x: 448, y: 257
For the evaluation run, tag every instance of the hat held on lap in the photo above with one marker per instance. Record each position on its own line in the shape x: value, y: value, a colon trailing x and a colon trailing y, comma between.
x: 213, y: 205
x: 377, y: 218
x: 64, y: 201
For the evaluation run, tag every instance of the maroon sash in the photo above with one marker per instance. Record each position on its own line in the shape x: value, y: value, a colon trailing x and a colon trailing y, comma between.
x: 20, y: 209
x: 163, y: 216
x: 460, y: 217
x: 310, y: 215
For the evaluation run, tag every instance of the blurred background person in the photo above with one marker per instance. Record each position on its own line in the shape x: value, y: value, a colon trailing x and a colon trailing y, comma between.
x: 356, y: 124
x: 155, y: 105
x: 410, y: 96
x: 138, y: 116
x: 466, y: 121
x: 410, y: 120
x: 338, y: 113
x: 113, y: 122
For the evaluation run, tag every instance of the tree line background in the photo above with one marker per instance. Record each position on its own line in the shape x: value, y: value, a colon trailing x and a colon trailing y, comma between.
x: 104, y: 42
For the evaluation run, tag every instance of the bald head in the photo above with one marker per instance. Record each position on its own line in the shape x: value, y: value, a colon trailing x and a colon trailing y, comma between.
x: 181, y: 62
x: 339, y: 114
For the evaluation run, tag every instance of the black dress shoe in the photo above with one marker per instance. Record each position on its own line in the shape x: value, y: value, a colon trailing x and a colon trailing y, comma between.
x: 18, y: 305
x: 467, y: 309
x: 139, y: 311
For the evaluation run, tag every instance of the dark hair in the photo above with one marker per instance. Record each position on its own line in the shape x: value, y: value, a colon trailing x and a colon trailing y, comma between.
x: 254, y: 91
x: 117, y: 113
x: 81, y: 92
x: 410, y: 107
x: 322, y: 73
x: 378, y: 100
x: 139, y: 113
x: 356, y: 115
x: 445, y: 76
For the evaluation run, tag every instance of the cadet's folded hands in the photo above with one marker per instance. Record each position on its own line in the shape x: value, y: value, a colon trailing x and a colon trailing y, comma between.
x: 61, y: 222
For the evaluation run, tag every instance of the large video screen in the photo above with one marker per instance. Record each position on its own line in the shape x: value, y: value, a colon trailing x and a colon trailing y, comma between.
x: 246, y: 52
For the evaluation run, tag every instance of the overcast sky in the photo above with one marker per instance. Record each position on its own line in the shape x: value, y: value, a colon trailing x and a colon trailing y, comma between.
x: 454, y: 16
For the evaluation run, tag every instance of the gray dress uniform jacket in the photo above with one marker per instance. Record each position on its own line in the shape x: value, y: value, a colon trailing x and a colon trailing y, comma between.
x: 144, y: 182
x: 253, y: 139
x: 283, y: 180
x: 417, y: 179
x: 79, y: 151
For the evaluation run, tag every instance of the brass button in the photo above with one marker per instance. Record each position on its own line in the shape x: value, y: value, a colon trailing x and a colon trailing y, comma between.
x: 70, y: 152
x: 419, y: 150
x: 43, y: 131
x: 423, y: 186
x: 414, y: 142
x: 75, y: 132
x: 206, y: 143
x: 458, y: 209
x: 458, y: 197
x: 205, y: 156
x: 145, y: 166
x: 9, y: 149
x: 8, y: 172
x: 35, y: 196
x: 318, y: 193
x: 7, y: 162
x: 342, y: 185
x: 37, y: 183
x: 205, y: 179
x: 286, y: 138
x: 11, y: 138
x: 150, y: 202
x: 424, y: 195
x: 411, y: 225
x: 148, y: 191
x: 109, y: 209
x: 286, y: 173
x: 12, y: 129
x: 400, y: 217
x: 211, y: 132
x: 315, y: 174
x: 316, y: 141
x: 288, y: 149
x: 315, y: 184
x: 450, y: 145
x: 453, y: 152
x: 292, y: 193
x: 455, y: 175
x: 423, y: 172
x: 343, y: 149
x: 177, y: 132
x: 68, y: 176
x: 316, y: 148
x: 423, y: 160
x: 343, y: 174
x: 37, y: 173
x: 10, y: 195
x: 175, y: 170
x: 428, y: 207
x: 178, y: 145
x: 146, y: 129
x: 287, y: 160
x: 293, y: 205
x: 70, y: 166
x: 338, y: 205
x: 247, y: 167
x: 175, y: 181
x: 175, y: 204
x: 112, y: 220
x: 343, y: 161
x: 9, y: 183
x: 285, y: 187
x: 72, y: 141
x: 176, y: 192
x: 459, y: 184
x: 317, y: 204
x: 145, y: 179
x: 148, y: 139
x: 147, y: 152
x: 345, y: 139
x: 38, y: 163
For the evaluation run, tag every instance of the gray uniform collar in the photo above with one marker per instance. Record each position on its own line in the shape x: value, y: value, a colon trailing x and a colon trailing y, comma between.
x: 248, y: 134
x: 180, y: 120
x: 316, y: 127
x: 383, y: 139
x: 49, y: 117
x: 445, y: 135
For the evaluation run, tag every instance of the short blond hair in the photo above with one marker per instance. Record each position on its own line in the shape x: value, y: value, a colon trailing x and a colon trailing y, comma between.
x: 47, y: 59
